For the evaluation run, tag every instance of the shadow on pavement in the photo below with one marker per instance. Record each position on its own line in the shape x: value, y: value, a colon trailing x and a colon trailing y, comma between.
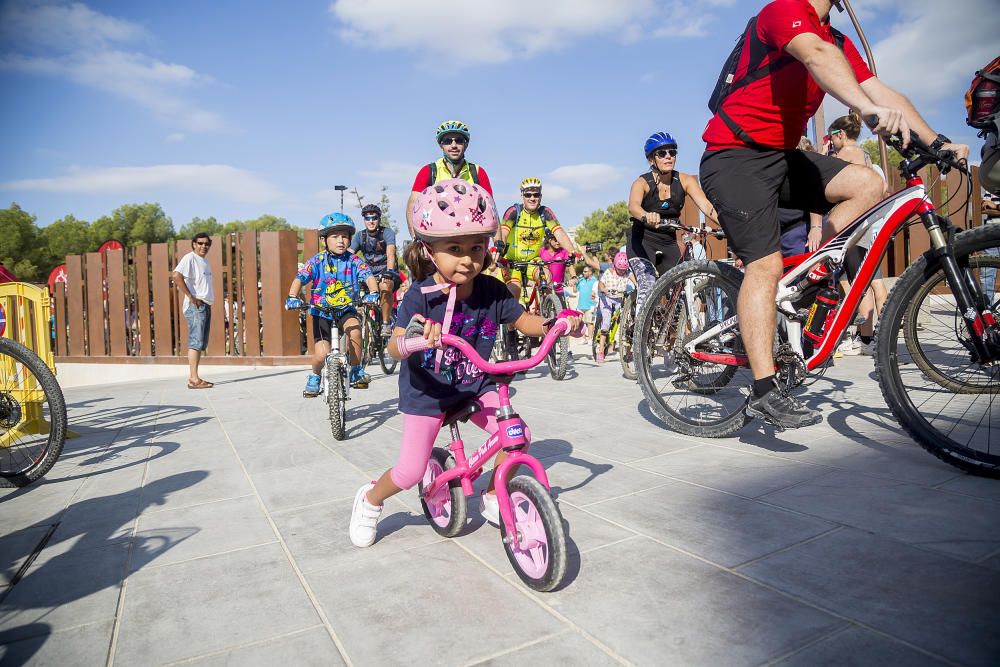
x: 82, y: 555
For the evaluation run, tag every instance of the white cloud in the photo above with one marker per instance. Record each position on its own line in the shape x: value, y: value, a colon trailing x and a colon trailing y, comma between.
x: 175, y: 138
x: 586, y: 177
x: 218, y: 179
x: 74, y: 42
x: 933, y: 49
x: 496, y: 31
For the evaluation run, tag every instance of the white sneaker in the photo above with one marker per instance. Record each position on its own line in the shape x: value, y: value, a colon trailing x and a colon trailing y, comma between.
x: 867, y: 349
x: 364, y: 518
x: 849, y: 348
x: 489, y: 507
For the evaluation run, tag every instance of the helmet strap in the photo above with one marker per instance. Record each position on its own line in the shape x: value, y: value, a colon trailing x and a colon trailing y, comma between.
x: 449, y: 309
x: 456, y: 166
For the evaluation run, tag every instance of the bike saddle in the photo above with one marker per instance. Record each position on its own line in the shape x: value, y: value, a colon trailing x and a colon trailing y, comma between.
x: 461, y: 413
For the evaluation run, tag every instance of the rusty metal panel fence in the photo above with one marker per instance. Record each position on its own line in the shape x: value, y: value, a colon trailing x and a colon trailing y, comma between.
x: 123, y: 303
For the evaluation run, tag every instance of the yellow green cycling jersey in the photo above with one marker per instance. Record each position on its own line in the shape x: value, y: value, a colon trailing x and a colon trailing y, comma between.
x: 526, y: 231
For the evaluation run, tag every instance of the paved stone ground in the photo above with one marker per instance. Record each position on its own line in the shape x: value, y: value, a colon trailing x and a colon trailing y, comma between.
x: 211, y: 527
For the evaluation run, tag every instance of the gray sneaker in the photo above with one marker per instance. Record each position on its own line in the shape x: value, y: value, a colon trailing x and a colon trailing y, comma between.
x: 782, y: 411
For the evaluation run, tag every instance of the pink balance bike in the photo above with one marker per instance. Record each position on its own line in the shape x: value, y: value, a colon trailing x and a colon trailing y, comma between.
x: 530, y: 523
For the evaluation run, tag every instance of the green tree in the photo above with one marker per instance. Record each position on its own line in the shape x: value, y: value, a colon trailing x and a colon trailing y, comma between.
x: 607, y: 226
x: 264, y: 223
x: 67, y: 236
x: 209, y: 225
x: 386, y: 206
x: 133, y: 224
x: 20, y: 250
x: 871, y: 147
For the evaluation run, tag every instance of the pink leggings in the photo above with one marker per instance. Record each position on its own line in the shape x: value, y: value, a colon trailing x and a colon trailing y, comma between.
x: 419, y: 433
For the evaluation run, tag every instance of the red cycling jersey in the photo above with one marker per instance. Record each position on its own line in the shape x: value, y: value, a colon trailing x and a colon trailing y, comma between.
x: 423, y: 179
x: 775, y: 109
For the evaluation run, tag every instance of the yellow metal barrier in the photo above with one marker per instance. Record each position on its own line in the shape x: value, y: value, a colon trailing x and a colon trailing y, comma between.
x: 24, y: 317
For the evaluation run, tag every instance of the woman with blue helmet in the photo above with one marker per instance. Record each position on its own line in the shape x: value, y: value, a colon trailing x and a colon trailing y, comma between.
x: 336, y: 276
x: 657, y: 197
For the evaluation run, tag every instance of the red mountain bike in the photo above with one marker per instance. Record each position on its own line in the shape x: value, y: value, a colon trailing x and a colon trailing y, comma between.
x: 937, y: 344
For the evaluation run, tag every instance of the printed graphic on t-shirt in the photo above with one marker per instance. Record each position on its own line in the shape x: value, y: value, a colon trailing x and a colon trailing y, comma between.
x: 454, y: 364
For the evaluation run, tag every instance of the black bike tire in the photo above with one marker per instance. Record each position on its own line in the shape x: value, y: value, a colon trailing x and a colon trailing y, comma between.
x: 555, y: 534
x: 459, y: 503
x: 627, y: 356
x: 643, y: 361
x: 558, y: 356
x: 597, y: 334
x: 900, y: 308
x: 57, y: 414
x: 335, y: 398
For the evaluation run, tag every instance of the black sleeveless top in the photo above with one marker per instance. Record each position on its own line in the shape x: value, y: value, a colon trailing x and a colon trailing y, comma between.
x: 667, y: 208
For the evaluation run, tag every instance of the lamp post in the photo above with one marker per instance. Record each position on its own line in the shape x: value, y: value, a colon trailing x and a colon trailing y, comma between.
x: 882, y: 152
x: 341, y: 189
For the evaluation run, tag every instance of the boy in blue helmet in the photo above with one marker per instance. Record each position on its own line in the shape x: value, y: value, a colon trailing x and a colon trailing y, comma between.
x: 335, y: 275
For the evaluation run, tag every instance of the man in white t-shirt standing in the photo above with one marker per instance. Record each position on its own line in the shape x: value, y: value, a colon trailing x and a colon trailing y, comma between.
x: 193, y: 278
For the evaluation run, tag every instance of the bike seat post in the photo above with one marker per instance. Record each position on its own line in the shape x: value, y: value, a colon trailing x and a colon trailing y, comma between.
x: 457, y: 448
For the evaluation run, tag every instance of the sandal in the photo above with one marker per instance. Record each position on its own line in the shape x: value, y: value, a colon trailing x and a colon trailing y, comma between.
x: 200, y: 384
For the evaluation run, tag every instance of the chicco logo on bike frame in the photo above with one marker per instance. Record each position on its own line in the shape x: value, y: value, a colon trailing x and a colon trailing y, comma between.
x: 515, y: 431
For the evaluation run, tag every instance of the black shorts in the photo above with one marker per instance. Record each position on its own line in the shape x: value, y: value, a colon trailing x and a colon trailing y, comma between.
x: 663, y: 255
x: 322, y: 327
x: 746, y: 186
x: 396, y: 280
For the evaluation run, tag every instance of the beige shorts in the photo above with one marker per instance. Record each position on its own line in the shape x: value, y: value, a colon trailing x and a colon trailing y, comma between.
x: 588, y: 316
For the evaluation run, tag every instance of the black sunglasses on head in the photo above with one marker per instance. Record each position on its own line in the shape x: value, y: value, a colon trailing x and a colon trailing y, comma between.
x: 664, y: 152
x: 531, y: 195
x: 461, y: 141
x: 206, y: 244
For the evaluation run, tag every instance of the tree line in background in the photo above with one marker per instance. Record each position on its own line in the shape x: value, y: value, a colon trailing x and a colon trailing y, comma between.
x: 31, y: 252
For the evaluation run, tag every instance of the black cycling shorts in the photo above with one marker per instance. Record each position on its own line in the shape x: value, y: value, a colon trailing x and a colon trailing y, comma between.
x: 321, y: 326
x: 746, y: 186
x: 379, y: 271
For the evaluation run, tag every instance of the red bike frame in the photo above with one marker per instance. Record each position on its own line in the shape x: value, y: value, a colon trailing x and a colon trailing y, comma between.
x: 884, y: 219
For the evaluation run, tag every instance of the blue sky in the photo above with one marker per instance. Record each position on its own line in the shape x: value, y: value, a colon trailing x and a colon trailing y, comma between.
x: 235, y: 109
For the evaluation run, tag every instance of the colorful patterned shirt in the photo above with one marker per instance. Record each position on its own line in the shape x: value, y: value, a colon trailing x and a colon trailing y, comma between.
x: 336, y: 281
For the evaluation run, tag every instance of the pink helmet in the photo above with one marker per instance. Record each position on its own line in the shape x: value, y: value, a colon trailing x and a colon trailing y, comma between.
x: 454, y: 208
x: 621, y: 261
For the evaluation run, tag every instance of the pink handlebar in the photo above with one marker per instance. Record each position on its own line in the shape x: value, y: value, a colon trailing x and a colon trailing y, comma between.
x: 507, y: 367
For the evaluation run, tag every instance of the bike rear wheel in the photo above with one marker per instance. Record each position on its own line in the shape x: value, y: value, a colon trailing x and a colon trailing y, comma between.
x: 538, y: 553
x: 694, y: 397
x: 336, y: 396
x: 446, y: 510
x: 558, y: 356
x: 32, y: 416
x: 386, y: 360
x: 940, y: 396
x: 626, y: 327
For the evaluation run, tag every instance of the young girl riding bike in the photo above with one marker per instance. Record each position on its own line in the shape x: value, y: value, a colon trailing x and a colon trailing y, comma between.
x: 612, y: 285
x: 453, y: 222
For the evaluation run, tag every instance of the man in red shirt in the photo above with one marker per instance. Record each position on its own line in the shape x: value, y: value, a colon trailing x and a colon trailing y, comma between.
x: 751, y: 164
x: 453, y: 138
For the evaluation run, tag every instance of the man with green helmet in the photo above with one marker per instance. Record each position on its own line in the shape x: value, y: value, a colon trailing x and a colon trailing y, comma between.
x: 453, y: 138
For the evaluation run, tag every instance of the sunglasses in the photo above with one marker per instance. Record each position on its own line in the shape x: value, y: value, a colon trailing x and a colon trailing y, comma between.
x: 204, y: 244
x: 531, y: 195
x: 371, y: 217
x: 664, y: 152
x: 461, y: 141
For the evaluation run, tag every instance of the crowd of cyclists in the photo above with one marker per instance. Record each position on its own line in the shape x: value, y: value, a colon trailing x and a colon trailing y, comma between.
x: 786, y: 61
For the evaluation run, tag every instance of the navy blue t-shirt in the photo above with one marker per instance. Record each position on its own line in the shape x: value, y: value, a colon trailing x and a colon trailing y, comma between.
x: 477, y: 320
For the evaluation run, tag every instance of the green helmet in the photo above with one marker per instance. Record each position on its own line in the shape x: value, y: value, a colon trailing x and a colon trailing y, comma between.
x: 452, y: 127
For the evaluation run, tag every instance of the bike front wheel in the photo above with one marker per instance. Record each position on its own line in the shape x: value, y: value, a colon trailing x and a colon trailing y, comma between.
x: 538, y: 551
x: 693, y: 396
x: 943, y: 398
x: 32, y: 416
x: 558, y: 356
x: 336, y: 396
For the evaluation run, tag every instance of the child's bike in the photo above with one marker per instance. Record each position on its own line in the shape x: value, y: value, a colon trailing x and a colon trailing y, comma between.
x: 531, y: 526
x: 336, y: 385
x: 374, y: 345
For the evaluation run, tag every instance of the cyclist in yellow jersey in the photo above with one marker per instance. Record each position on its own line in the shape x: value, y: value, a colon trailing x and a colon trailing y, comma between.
x: 522, y: 231
x: 453, y: 138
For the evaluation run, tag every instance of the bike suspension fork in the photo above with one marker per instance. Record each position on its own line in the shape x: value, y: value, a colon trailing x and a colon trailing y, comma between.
x: 964, y: 288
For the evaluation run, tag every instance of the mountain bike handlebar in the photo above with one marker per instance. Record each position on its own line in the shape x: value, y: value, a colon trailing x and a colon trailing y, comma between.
x: 678, y: 227
x: 518, y: 264
x: 920, y: 154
